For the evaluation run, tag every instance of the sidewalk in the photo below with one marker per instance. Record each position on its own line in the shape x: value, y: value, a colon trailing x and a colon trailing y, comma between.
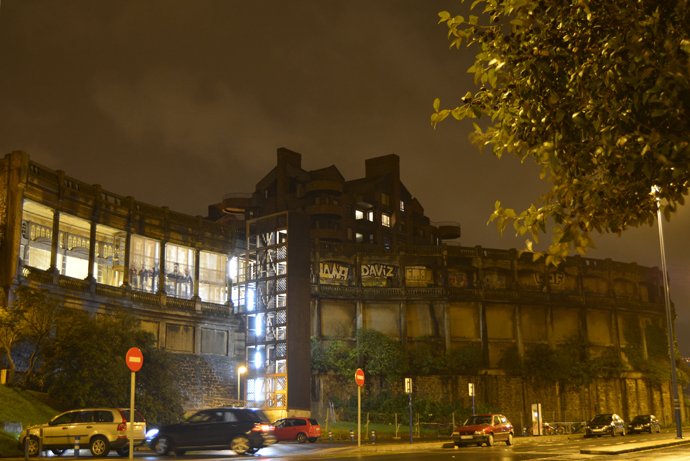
x: 633, y: 447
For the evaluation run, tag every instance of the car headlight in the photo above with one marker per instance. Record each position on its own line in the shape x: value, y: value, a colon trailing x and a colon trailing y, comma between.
x: 478, y: 432
x: 151, y: 434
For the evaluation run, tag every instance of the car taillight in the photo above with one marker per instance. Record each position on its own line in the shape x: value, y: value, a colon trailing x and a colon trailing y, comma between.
x: 263, y: 428
x: 122, y: 426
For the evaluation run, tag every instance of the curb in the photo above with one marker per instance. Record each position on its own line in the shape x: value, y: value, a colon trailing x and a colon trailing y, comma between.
x: 634, y: 447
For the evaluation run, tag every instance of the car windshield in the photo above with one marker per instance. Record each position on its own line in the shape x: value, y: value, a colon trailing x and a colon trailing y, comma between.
x: 641, y: 419
x: 477, y: 420
x: 602, y: 419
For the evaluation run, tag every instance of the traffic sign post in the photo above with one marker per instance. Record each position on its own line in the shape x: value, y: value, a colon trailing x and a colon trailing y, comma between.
x: 359, y: 379
x: 471, y: 389
x: 134, y: 360
x: 408, y: 389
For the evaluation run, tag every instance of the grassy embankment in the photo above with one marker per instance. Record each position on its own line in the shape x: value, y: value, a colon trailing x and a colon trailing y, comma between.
x: 25, y: 406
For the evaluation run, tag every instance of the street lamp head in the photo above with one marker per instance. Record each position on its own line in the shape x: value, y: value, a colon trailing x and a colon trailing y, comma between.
x: 242, y: 369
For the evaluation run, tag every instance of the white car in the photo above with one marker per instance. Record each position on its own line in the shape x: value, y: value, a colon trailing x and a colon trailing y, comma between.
x: 99, y: 430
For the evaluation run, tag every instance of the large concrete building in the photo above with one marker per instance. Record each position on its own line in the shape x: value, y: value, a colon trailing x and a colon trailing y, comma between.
x: 309, y: 254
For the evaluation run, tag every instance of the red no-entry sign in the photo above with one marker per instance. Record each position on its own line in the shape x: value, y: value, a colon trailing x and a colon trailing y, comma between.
x: 359, y: 376
x: 134, y: 359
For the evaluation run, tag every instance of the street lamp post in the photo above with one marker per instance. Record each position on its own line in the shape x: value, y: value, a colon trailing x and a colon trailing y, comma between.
x: 674, y: 380
x: 240, y: 370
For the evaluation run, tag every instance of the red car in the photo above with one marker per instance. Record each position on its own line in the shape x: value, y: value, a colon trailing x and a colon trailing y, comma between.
x: 300, y: 429
x: 480, y: 429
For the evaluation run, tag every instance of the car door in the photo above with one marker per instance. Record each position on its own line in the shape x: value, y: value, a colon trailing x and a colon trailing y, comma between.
x: 82, y: 426
x: 56, y: 433
x: 499, y: 430
x: 279, y: 430
x: 195, y: 431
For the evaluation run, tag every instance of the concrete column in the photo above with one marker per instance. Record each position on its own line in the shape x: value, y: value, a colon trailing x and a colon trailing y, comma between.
x: 54, y: 244
x: 549, y: 326
x: 161, y: 270
x: 446, y: 326
x: 518, y: 331
x: 316, y: 319
x: 197, y: 273
x: 163, y: 329
x: 17, y: 176
x: 615, y: 336
x: 92, y: 251
x: 402, y: 310
x: 643, y: 327
x: 483, y: 330
x: 128, y: 259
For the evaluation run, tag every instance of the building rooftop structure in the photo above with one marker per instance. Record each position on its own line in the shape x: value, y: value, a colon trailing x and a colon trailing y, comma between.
x: 376, y: 209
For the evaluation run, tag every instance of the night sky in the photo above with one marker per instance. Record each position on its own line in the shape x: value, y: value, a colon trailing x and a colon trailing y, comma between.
x: 179, y: 102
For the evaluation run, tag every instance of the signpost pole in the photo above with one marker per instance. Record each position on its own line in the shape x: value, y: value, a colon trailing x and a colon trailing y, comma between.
x: 131, y: 417
x: 408, y: 389
x: 359, y: 416
x: 134, y: 360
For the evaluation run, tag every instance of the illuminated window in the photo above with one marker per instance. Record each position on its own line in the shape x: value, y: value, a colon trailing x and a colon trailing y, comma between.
x: 402, y: 205
x: 385, y: 220
x: 144, y: 265
x: 212, y: 277
x: 358, y: 238
x: 370, y: 215
x: 179, y: 271
x: 359, y: 214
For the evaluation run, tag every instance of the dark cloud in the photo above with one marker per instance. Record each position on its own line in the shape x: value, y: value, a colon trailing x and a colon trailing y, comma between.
x: 179, y: 102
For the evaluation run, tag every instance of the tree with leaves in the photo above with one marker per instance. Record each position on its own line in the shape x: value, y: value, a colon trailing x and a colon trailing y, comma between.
x: 596, y: 92
x: 87, y: 366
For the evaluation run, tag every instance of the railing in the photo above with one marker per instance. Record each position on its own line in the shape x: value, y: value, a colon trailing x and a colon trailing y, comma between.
x: 146, y: 298
x: 238, y: 195
x: 382, y: 292
x: 215, y: 309
x: 37, y: 275
x: 424, y: 292
x: 181, y: 304
x: 73, y: 284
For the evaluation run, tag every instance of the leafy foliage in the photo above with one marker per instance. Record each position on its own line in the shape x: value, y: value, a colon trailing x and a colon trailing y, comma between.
x: 384, y: 404
x: 597, y: 93
x: 379, y: 355
x: 86, y: 367
x: 570, y: 362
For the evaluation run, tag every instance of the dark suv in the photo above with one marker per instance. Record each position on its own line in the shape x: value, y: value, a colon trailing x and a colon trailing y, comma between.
x: 605, y: 424
x: 242, y: 430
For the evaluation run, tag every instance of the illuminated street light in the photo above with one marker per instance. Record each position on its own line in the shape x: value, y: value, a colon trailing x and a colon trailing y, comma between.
x: 240, y: 370
x: 676, y: 400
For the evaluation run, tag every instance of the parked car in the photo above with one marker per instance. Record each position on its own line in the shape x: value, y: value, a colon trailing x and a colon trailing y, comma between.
x: 99, y: 429
x: 644, y: 423
x: 242, y: 430
x: 300, y: 429
x: 480, y: 429
x: 605, y: 424
x: 139, y: 430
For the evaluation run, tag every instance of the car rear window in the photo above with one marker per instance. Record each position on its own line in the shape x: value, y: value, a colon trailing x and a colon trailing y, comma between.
x: 299, y: 422
x: 313, y: 422
x: 256, y: 416
x: 137, y: 416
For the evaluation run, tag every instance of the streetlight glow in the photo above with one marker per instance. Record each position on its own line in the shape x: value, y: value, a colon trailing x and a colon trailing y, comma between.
x: 240, y: 370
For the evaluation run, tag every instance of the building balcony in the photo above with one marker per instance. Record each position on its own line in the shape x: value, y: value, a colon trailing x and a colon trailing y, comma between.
x: 448, y: 230
x: 329, y: 235
x: 237, y: 203
x: 323, y: 186
x: 333, y: 211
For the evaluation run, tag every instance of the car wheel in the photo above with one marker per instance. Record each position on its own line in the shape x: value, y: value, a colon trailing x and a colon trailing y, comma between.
x: 490, y: 441
x: 240, y: 445
x: 33, y: 445
x: 313, y: 439
x: 301, y: 437
x: 180, y: 452
x: 99, y: 446
x: 658, y: 430
x: 623, y: 433
x: 123, y: 451
x: 509, y: 440
x: 162, y: 445
x: 613, y: 431
x: 58, y: 451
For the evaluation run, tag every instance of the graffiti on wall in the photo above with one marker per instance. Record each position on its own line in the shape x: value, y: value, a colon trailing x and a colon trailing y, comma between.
x: 555, y: 278
x: 378, y: 274
x: 334, y: 273
x: 460, y: 279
